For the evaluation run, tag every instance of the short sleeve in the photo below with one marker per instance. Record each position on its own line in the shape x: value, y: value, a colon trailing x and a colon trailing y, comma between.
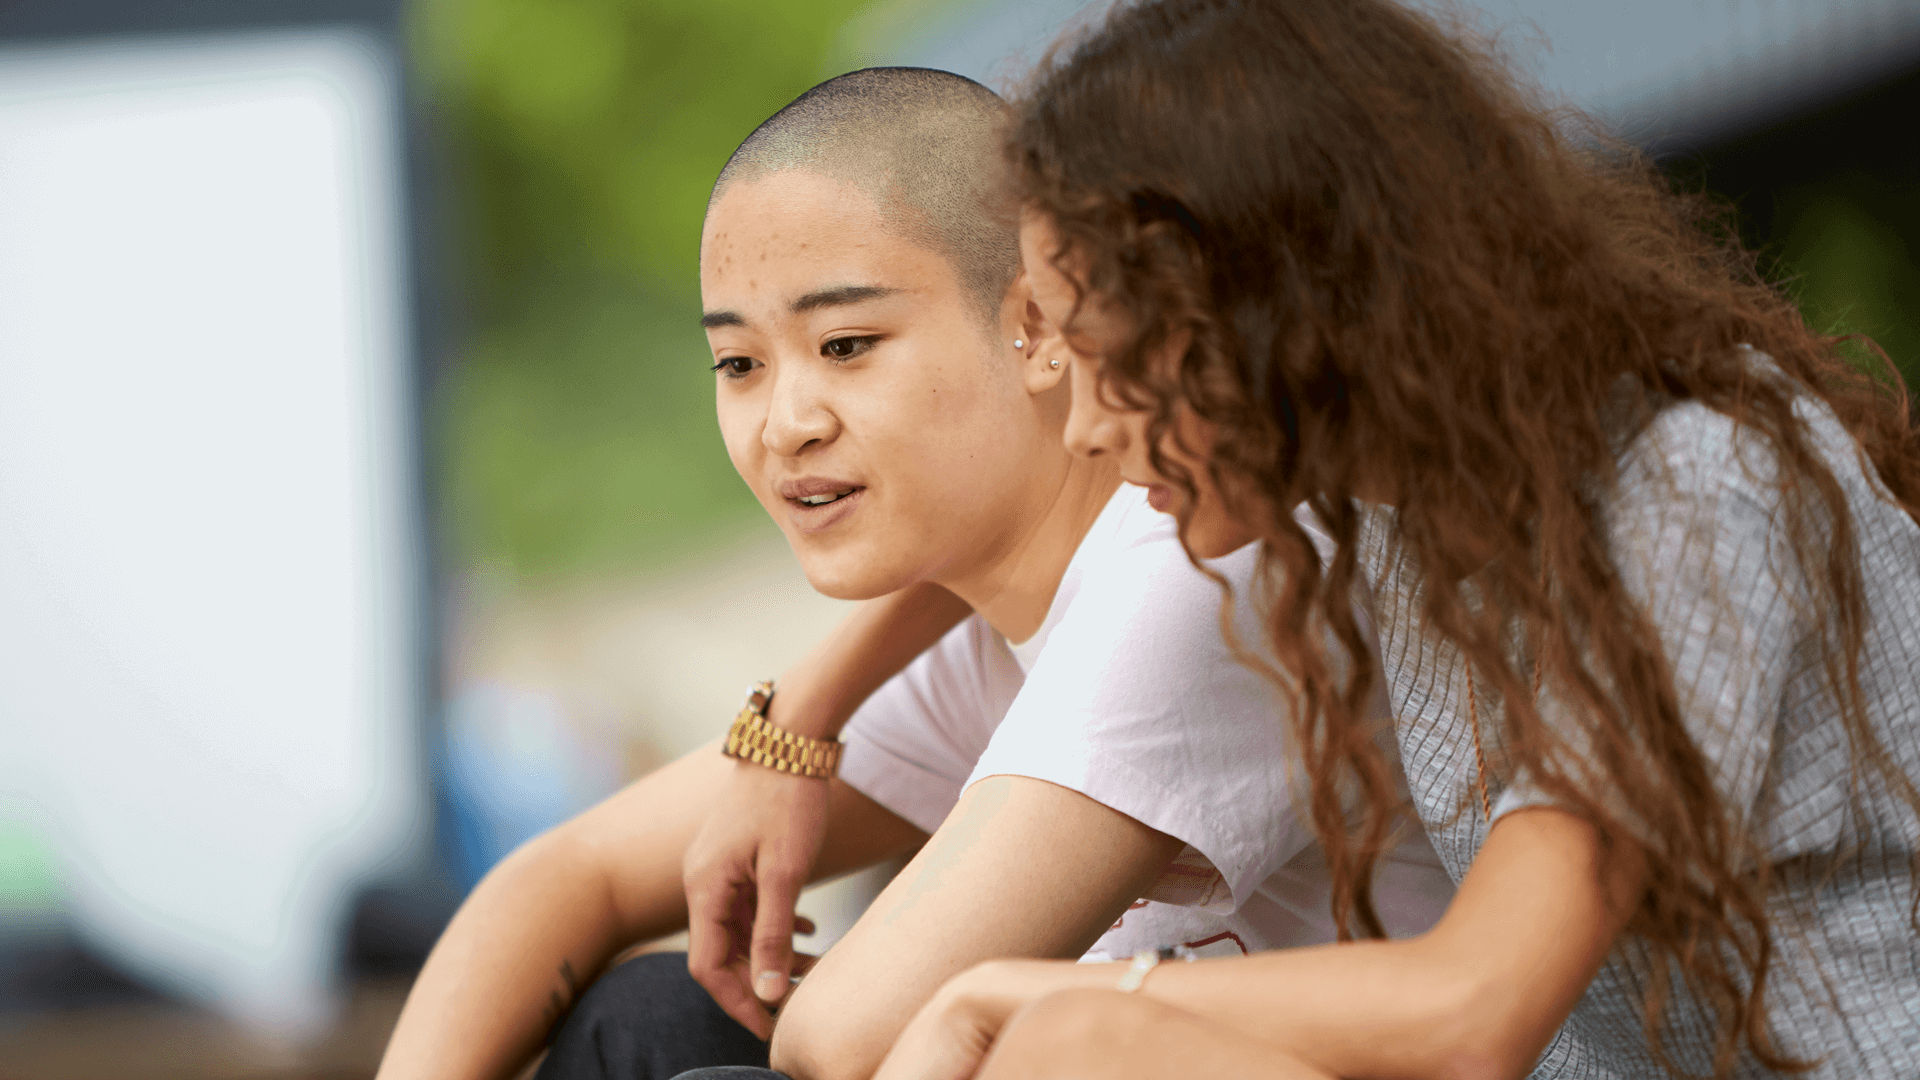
x: 1137, y: 703
x: 911, y: 746
x: 1697, y: 534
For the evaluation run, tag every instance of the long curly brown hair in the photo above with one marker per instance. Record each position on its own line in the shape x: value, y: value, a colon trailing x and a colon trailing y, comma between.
x: 1399, y: 268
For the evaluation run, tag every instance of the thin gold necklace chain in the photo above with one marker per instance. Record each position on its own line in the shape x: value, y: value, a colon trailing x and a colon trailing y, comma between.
x: 1473, y: 718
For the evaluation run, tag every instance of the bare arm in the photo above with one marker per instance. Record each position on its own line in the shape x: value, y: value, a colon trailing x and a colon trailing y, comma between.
x: 745, y: 867
x: 880, y: 637
x: 1020, y: 868
x: 539, y: 928
x: 1478, y: 996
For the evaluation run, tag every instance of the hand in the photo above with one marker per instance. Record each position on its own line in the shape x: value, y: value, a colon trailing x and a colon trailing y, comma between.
x: 743, y: 872
x: 953, y: 1031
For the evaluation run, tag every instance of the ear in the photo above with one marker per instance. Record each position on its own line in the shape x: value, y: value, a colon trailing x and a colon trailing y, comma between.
x: 1042, y: 353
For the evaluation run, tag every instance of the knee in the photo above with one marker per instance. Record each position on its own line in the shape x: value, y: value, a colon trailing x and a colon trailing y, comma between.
x: 1074, y: 1033
x: 646, y: 985
x: 644, y: 1018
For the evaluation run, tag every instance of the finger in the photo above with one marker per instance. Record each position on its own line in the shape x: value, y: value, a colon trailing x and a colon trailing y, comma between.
x: 773, y: 932
x: 731, y: 994
x: 722, y: 971
x: 803, y: 962
x: 708, y: 942
x: 715, y: 962
x: 803, y: 925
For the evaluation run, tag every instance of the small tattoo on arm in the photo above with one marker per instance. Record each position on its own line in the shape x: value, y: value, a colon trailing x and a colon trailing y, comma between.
x: 561, y: 998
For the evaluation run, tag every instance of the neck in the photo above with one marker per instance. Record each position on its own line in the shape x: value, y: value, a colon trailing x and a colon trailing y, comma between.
x: 1013, y: 590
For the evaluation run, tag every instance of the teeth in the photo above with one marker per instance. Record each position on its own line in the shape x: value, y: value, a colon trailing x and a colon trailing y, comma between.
x: 822, y: 500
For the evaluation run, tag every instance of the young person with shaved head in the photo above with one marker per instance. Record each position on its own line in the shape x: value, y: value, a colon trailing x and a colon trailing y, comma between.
x: 1069, y: 739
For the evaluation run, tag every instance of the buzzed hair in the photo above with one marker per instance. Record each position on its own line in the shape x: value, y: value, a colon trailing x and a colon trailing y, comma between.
x: 927, y: 145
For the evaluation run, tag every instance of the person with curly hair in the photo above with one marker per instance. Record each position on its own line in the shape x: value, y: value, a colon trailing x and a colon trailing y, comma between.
x: 1639, y: 545
x: 1035, y: 692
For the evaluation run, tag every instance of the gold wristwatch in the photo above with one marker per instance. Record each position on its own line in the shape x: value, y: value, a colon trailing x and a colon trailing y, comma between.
x: 753, y: 738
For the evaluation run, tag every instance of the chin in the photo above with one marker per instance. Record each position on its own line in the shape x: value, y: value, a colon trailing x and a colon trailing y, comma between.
x: 1209, y: 538
x: 846, y: 576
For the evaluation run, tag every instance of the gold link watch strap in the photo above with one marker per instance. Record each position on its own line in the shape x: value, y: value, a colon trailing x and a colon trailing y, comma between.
x: 753, y: 738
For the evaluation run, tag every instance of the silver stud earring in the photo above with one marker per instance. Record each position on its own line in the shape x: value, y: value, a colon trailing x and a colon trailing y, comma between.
x: 1019, y: 343
x: 1053, y: 363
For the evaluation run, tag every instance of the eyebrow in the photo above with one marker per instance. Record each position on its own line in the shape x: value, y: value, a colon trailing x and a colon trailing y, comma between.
x: 838, y: 296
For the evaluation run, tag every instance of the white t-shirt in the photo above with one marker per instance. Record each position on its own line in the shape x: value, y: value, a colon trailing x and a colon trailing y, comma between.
x: 1129, y: 695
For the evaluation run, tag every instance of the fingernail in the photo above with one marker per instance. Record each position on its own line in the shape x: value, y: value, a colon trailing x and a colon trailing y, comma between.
x: 769, y: 985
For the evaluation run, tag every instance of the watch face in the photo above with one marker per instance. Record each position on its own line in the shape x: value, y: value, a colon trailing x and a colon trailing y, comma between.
x: 759, y: 695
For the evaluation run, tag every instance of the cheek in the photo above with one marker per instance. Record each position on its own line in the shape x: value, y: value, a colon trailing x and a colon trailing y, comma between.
x: 953, y: 448
x: 740, y: 424
x: 1134, y: 426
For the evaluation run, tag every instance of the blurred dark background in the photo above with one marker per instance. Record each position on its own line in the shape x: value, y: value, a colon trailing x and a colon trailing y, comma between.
x: 1830, y: 199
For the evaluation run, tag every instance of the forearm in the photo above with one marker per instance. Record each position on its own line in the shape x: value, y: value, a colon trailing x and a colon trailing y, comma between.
x: 541, y: 925
x: 1478, y: 996
x: 1329, y: 1005
x: 535, y: 932
x: 819, y: 695
x: 1020, y: 868
x: 1373, y: 1009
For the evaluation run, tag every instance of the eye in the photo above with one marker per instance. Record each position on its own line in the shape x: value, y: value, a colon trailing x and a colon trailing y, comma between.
x: 846, y: 348
x: 735, y: 367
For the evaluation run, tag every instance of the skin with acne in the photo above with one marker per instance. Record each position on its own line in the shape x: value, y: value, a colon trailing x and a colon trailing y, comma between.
x: 854, y: 371
x: 853, y: 363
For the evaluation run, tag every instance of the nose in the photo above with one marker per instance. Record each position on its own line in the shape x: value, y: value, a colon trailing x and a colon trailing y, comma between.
x: 797, y: 415
x: 1092, y: 427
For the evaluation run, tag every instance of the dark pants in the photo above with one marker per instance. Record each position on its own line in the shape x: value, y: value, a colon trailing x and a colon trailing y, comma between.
x: 648, y: 1020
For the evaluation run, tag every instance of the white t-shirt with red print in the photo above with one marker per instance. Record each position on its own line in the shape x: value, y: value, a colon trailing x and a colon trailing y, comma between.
x: 1130, y: 695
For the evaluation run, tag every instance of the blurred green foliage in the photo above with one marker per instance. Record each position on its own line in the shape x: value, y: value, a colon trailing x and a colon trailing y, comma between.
x: 1842, y: 245
x: 581, y: 433
x: 582, y: 138
x: 595, y: 127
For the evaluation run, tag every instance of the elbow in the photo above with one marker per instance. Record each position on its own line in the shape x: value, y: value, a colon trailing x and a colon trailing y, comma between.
x: 793, y: 1052
x: 814, y: 1044
x: 1470, y: 1063
x: 803, y: 1057
x: 1479, y: 1033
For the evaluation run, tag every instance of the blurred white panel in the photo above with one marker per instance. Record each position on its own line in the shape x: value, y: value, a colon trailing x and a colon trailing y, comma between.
x: 206, y: 593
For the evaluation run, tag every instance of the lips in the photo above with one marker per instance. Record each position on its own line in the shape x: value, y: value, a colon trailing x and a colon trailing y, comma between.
x: 816, y: 502
x: 812, y: 489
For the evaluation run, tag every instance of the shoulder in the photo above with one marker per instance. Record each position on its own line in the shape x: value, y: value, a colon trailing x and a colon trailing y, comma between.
x: 1690, y: 447
x: 1142, y: 650
x: 1145, y: 586
x: 1696, y: 496
x: 1705, y: 503
x: 1695, y: 472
